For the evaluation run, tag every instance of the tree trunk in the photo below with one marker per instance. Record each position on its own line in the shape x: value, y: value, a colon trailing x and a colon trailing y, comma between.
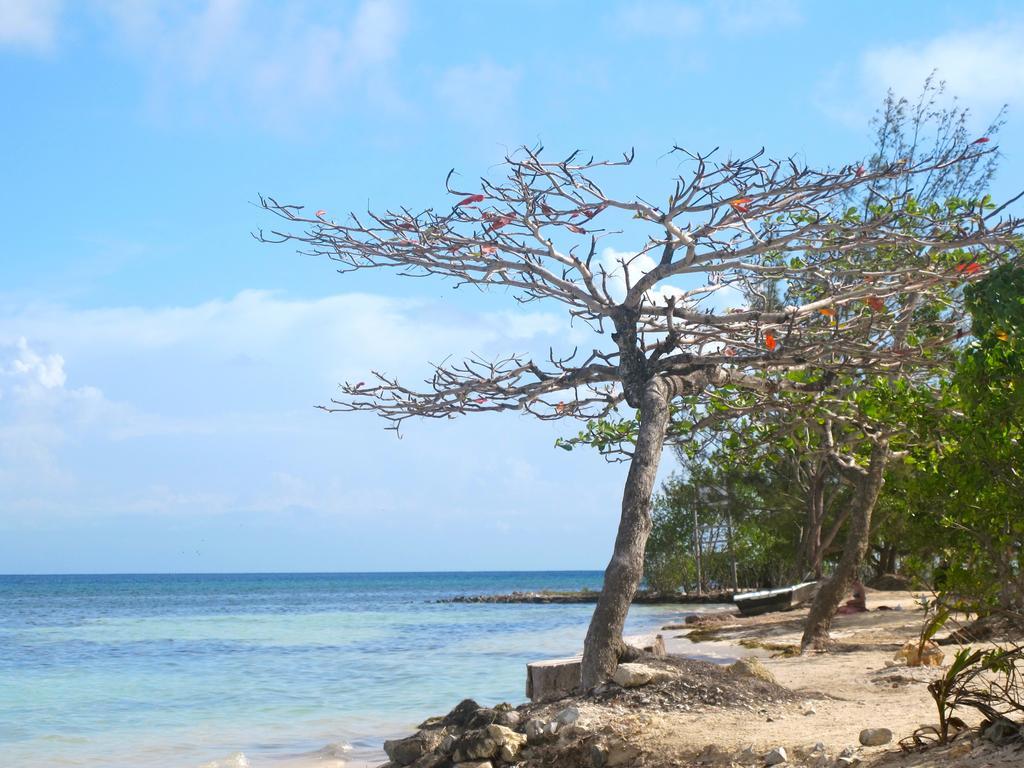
x: 812, y: 553
x: 867, y: 486
x: 697, y: 542
x: 886, y: 560
x: 728, y: 533
x: 603, y: 646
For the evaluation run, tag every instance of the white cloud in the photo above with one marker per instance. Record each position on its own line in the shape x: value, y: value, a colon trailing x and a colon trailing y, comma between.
x: 661, y: 18
x: 28, y: 370
x: 983, y: 66
x: 482, y: 95
x: 752, y: 16
x: 278, y: 60
x: 672, y: 19
x: 618, y: 263
x: 376, y: 33
x: 29, y: 23
x: 236, y: 372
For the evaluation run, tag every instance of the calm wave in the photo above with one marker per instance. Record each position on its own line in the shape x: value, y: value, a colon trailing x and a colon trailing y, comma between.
x: 229, y: 671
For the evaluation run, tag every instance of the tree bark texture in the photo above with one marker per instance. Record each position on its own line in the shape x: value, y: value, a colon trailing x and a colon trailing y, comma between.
x: 603, y: 645
x: 867, y: 485
x: 812, y: 550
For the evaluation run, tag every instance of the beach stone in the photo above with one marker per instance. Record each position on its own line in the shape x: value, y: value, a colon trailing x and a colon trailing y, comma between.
x: 475, y: 764
x: 568, y: 716
x: 752, y: 667
x: 534, y: 728
x: 461, y: 714
x: 748, y: 756
x: 483, y: 717
x: 597, y: 755
x: 486, y: 743
x: 474, y: 745
x: 509, y: 742
x: 621, y: 753
x: 510, y: 718
x: 916, y: 656
x: 408, y: 750
x: 875, y: 737
x: 632, y: 675
x: 431, y: 760
x: 848, y: 757
x: 776, y: 757
x: 1002, y: 732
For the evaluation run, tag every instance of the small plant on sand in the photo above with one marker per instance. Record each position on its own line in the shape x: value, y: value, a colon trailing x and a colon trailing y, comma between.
x: 990, y: 681
x: 936, y: 616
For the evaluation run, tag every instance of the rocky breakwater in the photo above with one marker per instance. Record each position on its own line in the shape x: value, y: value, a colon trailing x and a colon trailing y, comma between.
x: 642, y: 597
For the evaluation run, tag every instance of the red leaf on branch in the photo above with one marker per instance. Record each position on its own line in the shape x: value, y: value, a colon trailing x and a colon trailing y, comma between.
x: 586, y: 213
x: 968, y: 268
x: 827, y: 312
x: 560, y: 407
x: 360, y: 384
x: 770, y: 342
x: 497, y: 222
x: 488, y: 249
x: 547, y: 209
x: 321, y: 213
x: 729, y: 352
x: 875, y: 303
x: 860, y: 171
x: 471, y: 199
x: 480, y: 400
x: 741, y: 204
x: 982, y: 140
x: 577, y: 230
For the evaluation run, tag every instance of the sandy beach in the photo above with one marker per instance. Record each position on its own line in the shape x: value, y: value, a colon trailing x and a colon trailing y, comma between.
x: 813, y: 707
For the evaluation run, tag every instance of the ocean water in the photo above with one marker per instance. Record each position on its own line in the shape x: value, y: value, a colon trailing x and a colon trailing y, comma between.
x: 277, y: 670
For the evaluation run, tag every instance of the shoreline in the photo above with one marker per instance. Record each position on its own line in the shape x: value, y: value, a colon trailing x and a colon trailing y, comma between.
x: 583, y: 596
x: 816, y: 711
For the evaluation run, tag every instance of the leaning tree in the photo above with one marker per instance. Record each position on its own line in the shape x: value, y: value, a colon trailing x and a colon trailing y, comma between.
x: 662, y: 329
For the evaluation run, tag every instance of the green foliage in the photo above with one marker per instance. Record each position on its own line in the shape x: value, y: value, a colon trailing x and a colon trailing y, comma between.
x: 969, y: 492
x: 953, y: 510
x: 733, y: 515
x: 987, y: 680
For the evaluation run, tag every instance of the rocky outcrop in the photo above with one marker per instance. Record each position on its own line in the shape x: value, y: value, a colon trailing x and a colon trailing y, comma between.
x: 643, y: 596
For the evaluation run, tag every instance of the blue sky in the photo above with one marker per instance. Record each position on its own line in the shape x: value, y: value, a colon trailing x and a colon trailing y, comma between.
x: 158, y: 367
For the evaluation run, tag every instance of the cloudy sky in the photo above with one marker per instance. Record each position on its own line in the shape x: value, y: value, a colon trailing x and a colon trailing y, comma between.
x: 159, y: 368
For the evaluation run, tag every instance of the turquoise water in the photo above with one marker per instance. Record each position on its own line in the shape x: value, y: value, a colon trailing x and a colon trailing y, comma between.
x: 262, y: 669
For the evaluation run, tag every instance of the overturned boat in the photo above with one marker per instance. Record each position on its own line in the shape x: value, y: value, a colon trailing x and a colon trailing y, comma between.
x: 781, y: 599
